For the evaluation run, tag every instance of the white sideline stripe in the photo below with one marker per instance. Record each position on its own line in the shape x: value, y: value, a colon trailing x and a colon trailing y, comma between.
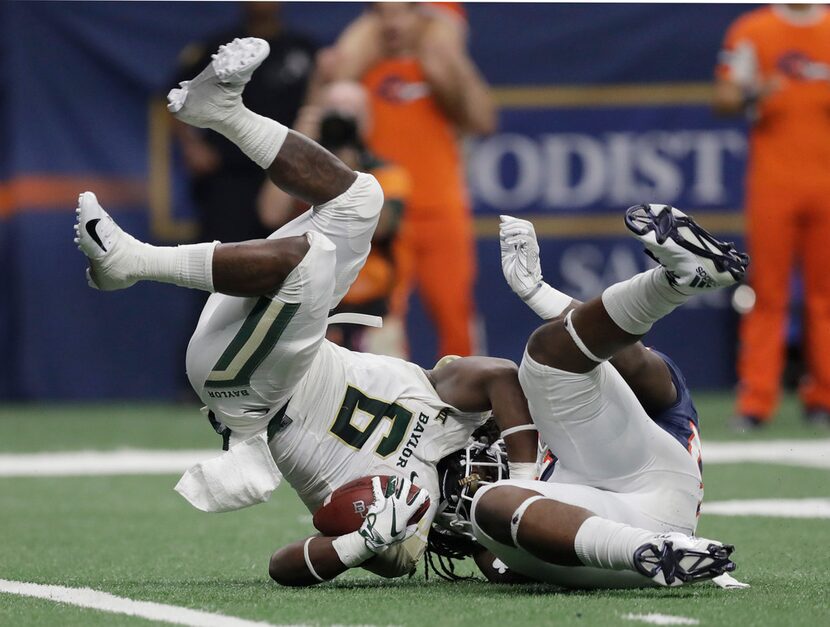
x: 776, y: 508
x: 119, y: 462
x: 662, y: 619
x: 106, y: 602
x: 810, y: 453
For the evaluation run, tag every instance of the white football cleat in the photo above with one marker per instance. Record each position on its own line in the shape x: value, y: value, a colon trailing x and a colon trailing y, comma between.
x: 111, y: 251
x: 213, y: 95
x: 674, y: 559
x: 694, y: 260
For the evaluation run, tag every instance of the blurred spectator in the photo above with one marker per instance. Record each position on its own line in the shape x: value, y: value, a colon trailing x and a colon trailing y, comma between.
x: 224, y: 182
x: 339, y: 122
x: 775, y: 68
x: 424, y: 90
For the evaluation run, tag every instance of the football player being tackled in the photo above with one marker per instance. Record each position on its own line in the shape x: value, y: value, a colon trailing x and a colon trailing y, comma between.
x: 288, y: 402
x: 619, y: 506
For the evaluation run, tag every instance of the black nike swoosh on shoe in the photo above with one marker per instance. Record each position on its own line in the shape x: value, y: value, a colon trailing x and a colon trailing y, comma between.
x: 90, y: 228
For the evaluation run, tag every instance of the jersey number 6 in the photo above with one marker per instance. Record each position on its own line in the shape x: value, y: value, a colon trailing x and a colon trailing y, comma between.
x: 345, y: 429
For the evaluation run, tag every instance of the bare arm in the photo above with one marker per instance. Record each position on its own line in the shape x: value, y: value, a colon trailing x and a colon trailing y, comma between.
x: 320, y: 558
x: 729, y: 98
x: 288, y: 565
x: 356, y: 50
x: 732, y: 98
x: 475, y: 384
x: 459, y: 87
x: 358, y: 47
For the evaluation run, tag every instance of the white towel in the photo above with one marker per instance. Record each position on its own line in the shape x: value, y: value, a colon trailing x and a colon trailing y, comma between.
x: 244, y: 475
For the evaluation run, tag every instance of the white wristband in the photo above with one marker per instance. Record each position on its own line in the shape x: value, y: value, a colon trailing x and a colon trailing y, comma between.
x: 522, y: 470
x: 308, y: 563
x: 547, y: 302
x: 352, y: 549
x: 512, y: 430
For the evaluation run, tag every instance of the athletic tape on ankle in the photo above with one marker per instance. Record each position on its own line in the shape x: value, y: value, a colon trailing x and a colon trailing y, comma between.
x: 578, y: 340
x: 308, y: 563
x: 512, y: 430
x: 517, y: 518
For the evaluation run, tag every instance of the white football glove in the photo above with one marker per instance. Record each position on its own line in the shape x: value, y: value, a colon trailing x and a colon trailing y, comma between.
x: 386, y: 520
x: 519, y: 255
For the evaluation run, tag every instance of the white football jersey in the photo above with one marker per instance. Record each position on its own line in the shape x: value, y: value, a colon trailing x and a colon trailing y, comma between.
x: 357, y: 414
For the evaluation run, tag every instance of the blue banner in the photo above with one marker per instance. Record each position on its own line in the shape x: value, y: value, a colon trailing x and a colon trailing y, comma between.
x: 77, y: 112
x: 608, y: 158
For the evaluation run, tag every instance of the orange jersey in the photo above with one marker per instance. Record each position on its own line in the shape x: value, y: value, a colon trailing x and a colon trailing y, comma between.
x: 790, y: 141
x: 410, y: 129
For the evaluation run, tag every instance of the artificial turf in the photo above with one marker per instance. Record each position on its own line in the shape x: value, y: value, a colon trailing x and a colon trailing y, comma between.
x: 133, y: 536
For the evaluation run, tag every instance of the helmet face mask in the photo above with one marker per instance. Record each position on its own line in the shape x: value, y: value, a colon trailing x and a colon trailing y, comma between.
x: 482, y: 462
x: 461, y: 475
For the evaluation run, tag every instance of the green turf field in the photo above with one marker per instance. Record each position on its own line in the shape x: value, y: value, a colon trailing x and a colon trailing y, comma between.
x: 134, y: 537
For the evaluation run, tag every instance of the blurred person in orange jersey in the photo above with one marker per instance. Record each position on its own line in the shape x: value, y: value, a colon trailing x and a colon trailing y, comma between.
x: 339, y: 122
x: 424, y: 91
x: 775, y: 67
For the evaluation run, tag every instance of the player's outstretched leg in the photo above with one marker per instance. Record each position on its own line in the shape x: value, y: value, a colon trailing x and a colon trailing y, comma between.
x: 691, y: 262
x: 214, y: 100
x: 301, y: 167
x: 117, y: 260
x: 567, y: 535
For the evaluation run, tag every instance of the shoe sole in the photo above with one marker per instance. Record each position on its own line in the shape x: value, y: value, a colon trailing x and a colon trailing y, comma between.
x: 233, y: 63
x: 670, y: 223
x: 236, y: 61
x: 708, y: 563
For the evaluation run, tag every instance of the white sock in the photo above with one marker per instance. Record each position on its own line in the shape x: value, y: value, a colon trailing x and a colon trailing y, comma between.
x: 189, y: 265
x: 547, y: 302
x: 260, y: 138
x: 603, y: 543
x: 634, y: 305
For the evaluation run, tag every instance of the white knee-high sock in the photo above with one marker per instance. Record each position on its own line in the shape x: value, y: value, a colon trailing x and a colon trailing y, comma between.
x: 603, y: 543
x: 260, y: 138
x: 636, y: 304
x: 189, y: 265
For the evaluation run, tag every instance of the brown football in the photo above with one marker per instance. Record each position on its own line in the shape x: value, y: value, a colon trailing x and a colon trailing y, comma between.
x: 344, y: 509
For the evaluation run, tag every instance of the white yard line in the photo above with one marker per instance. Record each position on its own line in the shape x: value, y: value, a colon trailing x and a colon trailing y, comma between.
x: 119, y: 462
x: 810, y: 453
x: 661, y: 619
x: 776, y: 508
x: 105, y: 602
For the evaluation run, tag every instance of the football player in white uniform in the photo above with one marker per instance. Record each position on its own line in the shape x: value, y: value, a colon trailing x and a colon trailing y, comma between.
x: 620, y: 506
x: 287, y: 401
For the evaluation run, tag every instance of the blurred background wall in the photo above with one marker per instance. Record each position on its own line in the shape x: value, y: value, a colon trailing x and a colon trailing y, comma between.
x: 602, y: 106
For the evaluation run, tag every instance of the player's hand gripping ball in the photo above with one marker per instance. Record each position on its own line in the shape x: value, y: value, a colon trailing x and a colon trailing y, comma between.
x: 344, y: 510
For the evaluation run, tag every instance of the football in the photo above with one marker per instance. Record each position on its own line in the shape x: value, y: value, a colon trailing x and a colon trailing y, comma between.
x: 344, y: 509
